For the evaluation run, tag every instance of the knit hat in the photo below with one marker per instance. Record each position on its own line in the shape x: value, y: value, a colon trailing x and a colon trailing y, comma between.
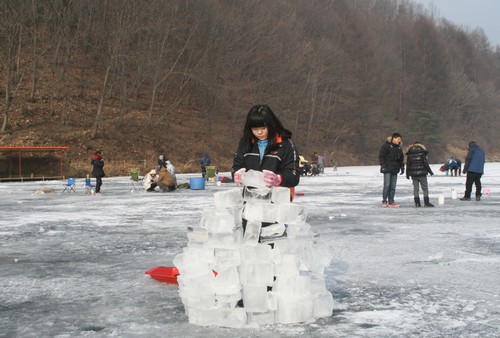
x: 396, y: 135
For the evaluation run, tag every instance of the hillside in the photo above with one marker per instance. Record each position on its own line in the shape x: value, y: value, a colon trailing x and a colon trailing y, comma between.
x: 179, y: 78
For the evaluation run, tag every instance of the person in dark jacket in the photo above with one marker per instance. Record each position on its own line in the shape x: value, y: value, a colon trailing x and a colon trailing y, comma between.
x: 417, y: 167
x: 162, y: 162
x: 266, y: 146
x: 474, y: 168
x: 391, y: 161
x: 204, y: 163
x: 98, y: 170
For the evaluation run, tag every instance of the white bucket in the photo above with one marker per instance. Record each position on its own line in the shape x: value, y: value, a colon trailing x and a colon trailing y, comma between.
x: 441, y: 199
x: 453, y: 194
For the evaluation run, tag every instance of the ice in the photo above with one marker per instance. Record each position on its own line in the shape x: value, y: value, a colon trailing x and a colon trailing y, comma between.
x: 227, y: 282
x: 197, y: 300
x: 226, y: 240
x: 317, y: 286
x: 257, y: 194
x: 198, y: 253
x: 253, y: 178
x: 288, y: 266
x: 226, y: 259
x: 323, y: 305
x: 191, y: 266
x: 255, y: 298
x: 293, y: 286
x: 256, y: 274
x: 297, y: 229
x: 291, y: 213
x: 276, y: 229
x: 294, y: 310
x: 218, y: 221
x: 280, y: 195
x: 260, y: 254
x: 265, y: 318
x: 235, y: 318
x: 86, y: 269
x: 252, y: 233
x: 197, y: 236
x: 260, y: 212
x: 228, y: 198
x: 272, y: 300
x: 229, y: 300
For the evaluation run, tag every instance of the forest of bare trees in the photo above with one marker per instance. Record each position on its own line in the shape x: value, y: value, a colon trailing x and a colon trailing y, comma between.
x: 142, y: 76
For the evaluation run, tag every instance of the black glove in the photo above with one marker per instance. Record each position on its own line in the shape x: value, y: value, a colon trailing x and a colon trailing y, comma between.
x: 383, y: 169
x: 431, y: 173
x: 402, y: 171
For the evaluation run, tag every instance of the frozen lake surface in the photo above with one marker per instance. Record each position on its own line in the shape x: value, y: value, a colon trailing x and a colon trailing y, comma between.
x: 73, y: 264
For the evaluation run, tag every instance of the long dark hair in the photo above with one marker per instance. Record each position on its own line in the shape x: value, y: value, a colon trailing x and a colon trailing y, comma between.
x: 261, y: 116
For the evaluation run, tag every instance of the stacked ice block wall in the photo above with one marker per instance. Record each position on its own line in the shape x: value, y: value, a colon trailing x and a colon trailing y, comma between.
x: 280, y: 280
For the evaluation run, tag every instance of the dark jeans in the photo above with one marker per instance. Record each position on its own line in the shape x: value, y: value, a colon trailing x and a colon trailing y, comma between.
x: 472, y: 178
x: 389, y: 191
x: 98, y: 183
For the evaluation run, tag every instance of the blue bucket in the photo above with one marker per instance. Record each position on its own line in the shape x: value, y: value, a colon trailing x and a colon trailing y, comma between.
x: 197, y: 183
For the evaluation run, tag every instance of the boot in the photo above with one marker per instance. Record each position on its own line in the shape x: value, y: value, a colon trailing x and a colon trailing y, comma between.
x: 427, y: 203
x: 478, y: 197
x: 417, y: 201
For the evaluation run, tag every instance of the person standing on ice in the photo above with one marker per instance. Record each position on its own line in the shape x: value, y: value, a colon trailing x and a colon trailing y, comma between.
x: 391, y: 161
x: 97, y: 170
x: 417, y: 167
x: 267, y: 146
x: 474, y: 168
x: 204, y: 163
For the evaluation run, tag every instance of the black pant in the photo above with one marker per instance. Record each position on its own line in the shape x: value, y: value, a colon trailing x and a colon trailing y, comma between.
x: 98, y: 183
x: 472, y: 178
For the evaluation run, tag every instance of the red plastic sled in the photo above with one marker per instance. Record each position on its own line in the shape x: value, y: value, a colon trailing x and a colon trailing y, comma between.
x: 164, y: 274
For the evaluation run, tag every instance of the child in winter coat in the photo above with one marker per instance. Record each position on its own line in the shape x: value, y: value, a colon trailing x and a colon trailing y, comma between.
x: 417, y: 168
x: 266, y: 146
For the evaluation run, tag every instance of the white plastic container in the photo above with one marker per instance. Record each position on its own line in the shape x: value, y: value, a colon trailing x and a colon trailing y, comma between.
x: 441, y: 199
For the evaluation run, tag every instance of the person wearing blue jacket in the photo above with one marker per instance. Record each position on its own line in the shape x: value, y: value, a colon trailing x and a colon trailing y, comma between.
x: 474, y: 168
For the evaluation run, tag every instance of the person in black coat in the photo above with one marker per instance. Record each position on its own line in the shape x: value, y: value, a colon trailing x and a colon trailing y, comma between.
x: 204, y: 163
x: 98, y: 170
x: 391, y: 161
x: 417, y: 167
x: 162, y: 162
x: 267, y: 146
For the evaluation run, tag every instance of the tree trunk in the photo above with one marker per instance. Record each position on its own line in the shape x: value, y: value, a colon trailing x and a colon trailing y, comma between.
x: 97, y: 121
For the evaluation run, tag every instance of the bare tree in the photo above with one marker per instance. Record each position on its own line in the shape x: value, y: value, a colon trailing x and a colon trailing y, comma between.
x: 10, y: 29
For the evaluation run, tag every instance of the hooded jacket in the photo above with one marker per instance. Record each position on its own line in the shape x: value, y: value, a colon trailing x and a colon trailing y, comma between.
x: 416, y: 161
x: 474, y: 161
x: 280, y: 158
x: 98, y: 166
x: 391, y: 157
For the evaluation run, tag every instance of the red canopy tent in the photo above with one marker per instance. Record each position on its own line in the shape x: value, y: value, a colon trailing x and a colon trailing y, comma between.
x: 20, y: 150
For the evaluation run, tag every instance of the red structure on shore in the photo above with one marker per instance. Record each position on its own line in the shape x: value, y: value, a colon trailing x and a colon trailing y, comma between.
x: 12, y: 157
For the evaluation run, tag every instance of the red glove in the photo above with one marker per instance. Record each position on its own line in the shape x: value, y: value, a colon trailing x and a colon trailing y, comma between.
x: 237, y: 176
x: 271, y: 179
